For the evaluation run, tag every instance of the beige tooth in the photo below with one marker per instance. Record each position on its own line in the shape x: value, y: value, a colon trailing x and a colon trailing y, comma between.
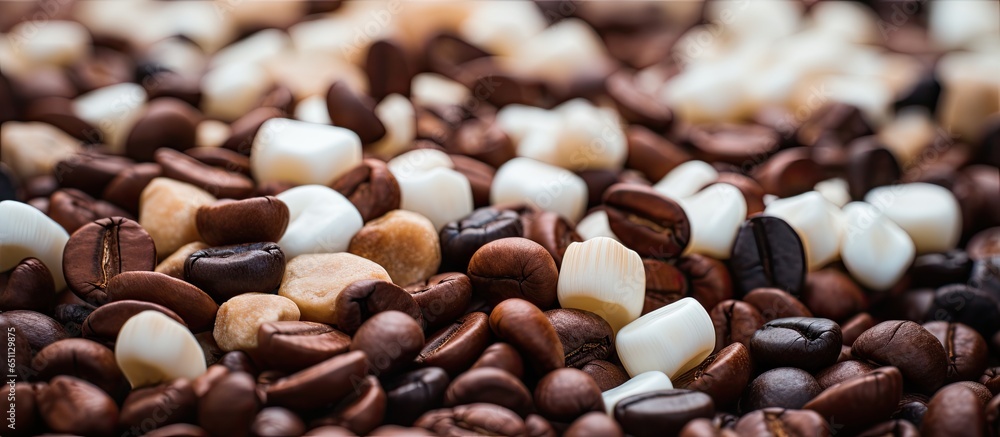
x: 440, y: 194
x: 672, y: 339
x: 239, y: 318
x: 929, y: 213
x: 642, y: 383
x: 875, y: 250
x: 819, y: 223
x: 603, y: 276
x: 114, y: 110
x: 550, y: 188
x: 286, y: 150
x: 152, y: 348
x: 715, y: 215
x: 27, y: 232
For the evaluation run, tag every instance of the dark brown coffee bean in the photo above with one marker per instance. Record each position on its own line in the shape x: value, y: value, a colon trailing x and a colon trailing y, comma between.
x: 104, y: 323
x: 584, y: 336
x: 598, y: 181
x: 636, y: 106
x: 789, y: 172
x: 646, y: 221
x: 832, y: 294
x: 276, y: 422
x: 461, y: 239
x: 295, y: 345
x: 242, y: 221
x: 709, y: 281
x: 550, y: 230
x: 229, y: 407
x: 966, y: 350
x: 492, y: 385
x: 59, y: 112
x: 705, y: 428
x: 74, y: 406
x: 776, y: 304
x: 354, y: 111
x: 869, y: 165
x: 537, y: 426
x: 389, y: 69
x: 281, y: 98
x: 363, y: 299
x: 982, y: 392
x: 934, y: 270
x: 768, y: 253
x: 103, y: 249
x: 737, y: 144
x: 124, y: 190
x: 842, y: 371
x: 166, y: 123
x: 861, y: 401
x: 90, y: 172
x: 527, y: 329
x: 853, y: 328
x: 361, y: 411
x: 955, y: 410
x: 735, y: 322
x: 221, y: 158
x: 723, y: 375
x: 441, y: 298
x: 482, y: 140
x: 993, y: 416
x: 219, y: 182
x: 454, y: 348
x: 652, y: 154
x: 238, y: 361
x: 784, y: 387
x: 662, y: 412
x: 563, y: 395
x: 245, y: 128
x: 892, y: 428
x: 908, y: 346
x: 594, y: 424
x: 480, y: 176
x: 73, y: 209
x: 25, y: 404
x: 514, y: 268
x: 843, y: 120
x: 665, y: 284
x: 28, y: 286
x: 963, y: 304
x: 227, y: 271
x: 986, y: 275
x: 985, y: 244
x: 319, y: 385
x: 190, y: 303
x: 390, y: 340
x: 371, y: 188
x: 803, y: 342
x: 912, y: 408
x: 991, y: 379
x: 82, y: 359
x: 160, y: 406
x: 413, y: 393
x: 38, y: 329
x: 607, y: 375
x: 779, y: 422
x: 502, y: 356
x: 483, y: 419
x: 753, y: 193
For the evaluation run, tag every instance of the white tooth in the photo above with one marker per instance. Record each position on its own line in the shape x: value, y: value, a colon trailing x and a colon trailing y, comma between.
x: 715, y: 215
x: 928, y: 213
x: 114, y: 110
x: 153, y: 348
x: 602, y: 276
x: 502, y: 27
x: 253, y: 49
x: 27, y: 232
x: 418, y: 161
x: 440, y: 194
x: 686, y: 179
x: 304, y: 153
x: 819, y: 223
x: 544, y: 186
x: 313, y: 110
x: 672, y: 339
x: 431, y: 89
x: 595, y: 225
x: 400, y: 121
x: 321, y: 220
x: 50, y: 42
x: 875, y: 250
x: 642, y: 383
x: 230, y: 91
x: 834, y: 190
x: 518, y: 120
x: 582, y: 137
x: 34, y: 148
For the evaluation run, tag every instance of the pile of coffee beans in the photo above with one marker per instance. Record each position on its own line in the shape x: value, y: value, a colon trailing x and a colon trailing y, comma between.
x: 504, y: 218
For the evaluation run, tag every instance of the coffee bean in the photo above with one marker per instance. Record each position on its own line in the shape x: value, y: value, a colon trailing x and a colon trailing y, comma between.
x: 90, y: 172
x: 594, y: 424
x: 803, y: 342
x: 481, y: 140
x: 782, y: 422
x: 502, y: 356
x: 908, y: 346
x: 277, y: 422
x: 166, y: 123
x: 832, y: 294
x: 485, y: 419
x: 388, y: 68
x: 362, y: 410
x: 390, y: 340
x: 934, y: 270
x: 354, y: 111
x: 776, y: 304
x: 789, y: 172
x: 993, y: 416
x: 363, y: 299
x: 984, y: 244
x: 514, y: 268
x: 550, y: 230
x: 82, y: 359
x: 38, y: 329
x: 73, y: 406
x: 103, y: 324
x: 99, y: 251
x: 527, y: 329
x: 293, y: 346
x: 861, y: 401
x: 584, y: 336
x: 221, y: 158
x: 607, y: 375
x: 842, y: 371
x: 986, y: 275
x: 735, y: 322
x: 966, y: 350
x: 723, y: 375
x: 318, y: 385
x: 371, y: 187
x: 219, y: 182
x: 733, y: 143
x: 167, y: 404
x: 784, y: 387
x: 229, y: 407
x: 441, y: 298
x: 705, y: 428
x: 646, y: 221
x: 768, y: 253
x: 28, y: 286
x: 853, y: 327
x: 124, y: 190
x: 454, y: 348
x: 195, y: 307
x: 480, y: 176
x: 954, y: 410
x: 73, y: 209
x: 245, y: 128
x: 709, y: 281
x: 652, y: 154
x: 461, y: 239
x: 665, y: 284
x: 537, y: 425
x: 662, y: 412
x: 228, y: 271
x: 636, y: 106
x: 413, y: 393
x: 250, y: 220
x: 490, y: 385
x: 963, y: 304
x: 870, y: 164
x: 563, y: 395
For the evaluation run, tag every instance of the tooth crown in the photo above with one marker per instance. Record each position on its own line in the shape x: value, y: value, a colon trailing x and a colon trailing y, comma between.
x: 303, y: 153
x: 928, y: 213
x: 152, y: 348
x: 642, y: 383
x: 602, y: 276
x: 819, y: 223
x: 686, y: 179
x: 715, y: 215
x: 550, y: 188
x: 672, y: 339
x: 875, y: 250
x: 27, y: 232
x: 321, y: 220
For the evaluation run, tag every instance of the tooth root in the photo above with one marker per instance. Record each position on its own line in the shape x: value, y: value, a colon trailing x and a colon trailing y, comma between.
x: 672, y: 339
x: 686, y: 179
x: 715, y: 215
x: 550, y: 188
x: 321, y: 220
x: 928, y: 213
x: 440, y: 194
x: 27, y: 232
x: 819, y: 223
x: 152, y: 348
x: 642, y: 383
x: 875, y: 250
x: 603, y: 276
x: 304, y: 153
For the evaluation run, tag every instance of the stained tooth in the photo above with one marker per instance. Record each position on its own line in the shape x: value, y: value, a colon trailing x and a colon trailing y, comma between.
x: 440, y: 194
x: 321, y: 220
x: 595, y: 225
x: 672, y: 339
x: 819, y: 223
x: 641, y: 383
x: 715, y: 214
x: 928, y: 213
x: 686, y: 179
x: 27, y: 232
x: 114, y: 110
x: 304, y: 153
x: 875, y: 250
x: 418, y: 161
x: 547, y: 187
x: 152, y: 348
x: 232, y: 90
x: 603, y: 276
x: 835, y: 191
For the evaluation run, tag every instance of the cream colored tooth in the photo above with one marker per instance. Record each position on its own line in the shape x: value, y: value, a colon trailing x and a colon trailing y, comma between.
x: 642, y: 383
x: 114, y: 110
x: 212, y: 133
x: 502, y: 27
x: 313, y: 109
x: 819, y: 223
x: 400, y: 121
x: 545, y: 186
x: 152, y: 348
x: 418, y: 161
x: 595, y: 225
x: 686, y: 179
x: 34, y: 148
x: 256, y: 48
x: 286, y: 150
x: 834, y: 191
x: 239, y: 318
x: 50, y: 42
x: 321, y: 220
x: 167, y: 210
x: 715, y: 215
x: 27, y: 232
x: 440, y: 194
x: 928, y: 213
x: 672, y: 339
x: 602, y: 276
x: 875, y: 250
x: 431, y: 89
x: 230, y: 91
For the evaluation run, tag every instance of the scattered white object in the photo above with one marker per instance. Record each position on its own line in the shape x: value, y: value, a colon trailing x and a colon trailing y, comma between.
x: 603, y: 276
x: 715, y: 215
x: 152, y: 349
x: 545, y: 186
x: 929, y: 213
x: 313, y: 110
x: 875, y: 250
x: 672, y: 339
x: 321, y: 220
x: 300, y: 152
x: 113, y: 110
x: 595, y: 225
x: 819, y: 223
x: 27, y: 232
x: 834, y: 190
x: 440, y: 194
x: 686, y: 179
x: 642, y: 383
x: 232, y: 90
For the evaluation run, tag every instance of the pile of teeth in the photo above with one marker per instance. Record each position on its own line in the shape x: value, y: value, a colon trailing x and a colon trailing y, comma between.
x: 283, y: 218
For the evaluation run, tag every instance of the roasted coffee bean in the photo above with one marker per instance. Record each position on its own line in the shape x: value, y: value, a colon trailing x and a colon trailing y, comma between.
x: 993, y: 416
x: 227, y: 271
x: 74, y: 406
x: 982, y: 392
x: 461, y: 239
x: 607, y: 375
x: 250, y: 220
x: 514, y: 268
x: 480, y: 176
x: 354, y: 111
x: 363, y: 299
x: 735, y: 322
x: 361, y: 411
x: 28, y: 286
x: 598, y: 181
x: 413, y: 393
x: 102, y: 325
x: 563, y: 395
x: 705, y: 428
x: 454, y: 348
x: 646, y: 221
x: 985, y: 244
x: 991, y: 379
x: 584, y: 336
x: 869, y: 165
x: 441, y: 298
x: 245, y: 128
x: 861, y: 401
x: 723, y: 375
x: 636, y: 106
x: 776, y: 304
x: 229, y: 407
x: 709, y: 281
x: 196, y: 308
x: 789, y: 172
x: 221, y: 158
x: 662, y: 412
x: 963, y: 304
x: 388, y: 68
x: 853, y: 328
x: 124, y: 190
x: 277, y: 422
x: 908, y: 346
x: 293, y: 346
x: 842, y: 371
x: 525, y: 326
x: 490, y: 385
x: 82, y: 359
x: 218, y: 182
x: 536, y: 425
x: 955, y: 410
x: 166, y: 123
x: 550, y: 230
x: 371, y: 187
x: 832, y: 294
x: 892, y: 428
x: 665, y: 284
x: 966, y: 350
x: 934, y: 270
x: 785, y: 387
x: 38, y: 329
x: 73, y: 209
x: 803, y: 342
x: 319, y: 385
x: 167, y: 404
x: 90, y: 172
x: 390, y: 340
x: 479, y: 139
x: 101, y: 250
x: 781, y: 422
x: 986, y: 275
x: 768, y: 253
x: 25, y: 404
x: 732, y: 143
x: 912, y: 408
x: 502, y: 356
x: 483, y: 419
x: 652, y: 154
x: 594, y: 424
